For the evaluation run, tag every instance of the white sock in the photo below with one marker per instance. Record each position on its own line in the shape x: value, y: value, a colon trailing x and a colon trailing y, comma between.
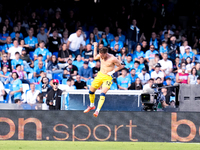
x: 91, y: 104
x: 98, y: 110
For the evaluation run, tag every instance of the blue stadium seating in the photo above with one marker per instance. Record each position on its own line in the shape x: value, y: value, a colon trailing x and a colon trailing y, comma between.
x: 31, y: 54
x: 38, y: 87
x: 58, y: 76
x: 64, y: 81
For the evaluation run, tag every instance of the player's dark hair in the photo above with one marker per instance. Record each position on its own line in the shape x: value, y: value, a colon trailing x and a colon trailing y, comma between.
x: 103, y: 50
x: 40, y: 55
x: 17, y: 53
x: 18, y: 65
x: 137, y: 62
x: 151, y: 79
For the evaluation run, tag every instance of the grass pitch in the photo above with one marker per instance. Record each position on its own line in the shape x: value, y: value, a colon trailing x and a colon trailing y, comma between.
x: 67, y: 145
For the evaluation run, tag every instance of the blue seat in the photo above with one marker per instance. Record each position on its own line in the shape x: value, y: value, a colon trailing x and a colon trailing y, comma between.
x: 64, y: 81
x: 56, y: 54
x: 8, y: 86
x: 31, y: 80
x: 38, y: 87
x: 31, y: 54
x: 58, y: 76
x: 113, y: 86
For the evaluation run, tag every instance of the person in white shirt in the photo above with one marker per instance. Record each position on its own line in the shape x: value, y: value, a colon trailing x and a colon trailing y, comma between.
x: 76, y: 42
x: 166, y: 65
x: 14, y: 49
x: 31, y: 96
x: 157, y: 72
x: 144, y: 76
x: 147, y: 88
x: 2, y: 91
x: 182, y: 48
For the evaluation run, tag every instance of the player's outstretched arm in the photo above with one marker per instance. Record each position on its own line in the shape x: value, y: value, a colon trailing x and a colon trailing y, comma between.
x: 95, y: 55
x: 118, y: 64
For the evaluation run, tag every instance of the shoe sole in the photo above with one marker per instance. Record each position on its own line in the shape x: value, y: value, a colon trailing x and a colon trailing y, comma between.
x: 95, y: 115
x: 88, y: 111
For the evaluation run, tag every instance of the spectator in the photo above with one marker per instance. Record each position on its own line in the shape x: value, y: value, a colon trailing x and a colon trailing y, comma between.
x: 5, y: 62
x: 13, y: 34
x: 133, y: 36
x: 54, y: 96
x: 115, y: 50
x: 170, y: 90
x: 21, y: 74
x: 189, y: 65
x: 78, y: 62
x: 197, y: 66
x: 150, y: 54
x: 7, y: 45
x: 21, y: 29
x: 123, y: 54
x: 41, y: 50
x: 65, y: 38
x: 73, y: 70
x: 144, y: 76
x: 96, y: 69
x: 136, y: 67
x: 76, y: 43
x: 164, y: 91
x: 33, y: 21
x: 166, y: 65
x: 148, y: 87
x: 138, y: 53
x: 16, y: 87
x: 91, y: 62
x: 129, y: 63
x: 109, y: 36
x: 42, y: 36
x: 121, y: 36
x: 2, y: 92
x: 14, y: 49
x: 136, y: 85
x: 63, y: 56
x: 40, y: 100
x: 154, y: 41
x: 132, y: 75
x: 198, y: 80
x: 103, y: 40
x: 52, y: 67
x: 87, y: 53
x: 17, y: 61
x: 54, y: 42
x: 163, y: 48
x: 17, y: 37
x: 45, y: 86
x: 159, y: 82
x: 157, y: 73
x: 26, y: 58
x: 39, y: 58
x: 42, y: 75
x: 183, y: 48
x: 176, y: 65
x: 173, y: 47
x: 31, y: 41
x: 182, y: 77
x: 31, y: 95
x: 153, y: 62
x: 85, y: 72
x: 96, y: 33
x: 4, y: 75
x: 124, y: 81
x: 3, y: 34
x: 144, y: 46
x: 192, y: 78
x: 66, y: 74
x: 91, y: 40
x: 8, y: 26
x: 142, y: 65
x: 188, y: 54
x: 116, y: 42
x: 80, y: 84
x: 37, y: 69
x: 70, y: 85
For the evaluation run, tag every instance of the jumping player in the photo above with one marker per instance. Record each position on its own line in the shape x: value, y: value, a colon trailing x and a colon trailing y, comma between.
x: 104, y: 77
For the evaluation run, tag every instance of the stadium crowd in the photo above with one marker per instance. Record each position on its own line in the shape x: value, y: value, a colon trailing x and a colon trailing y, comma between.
x: 42, y: 44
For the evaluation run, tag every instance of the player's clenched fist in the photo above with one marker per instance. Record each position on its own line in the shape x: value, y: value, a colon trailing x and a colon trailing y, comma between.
x: 95, y: 44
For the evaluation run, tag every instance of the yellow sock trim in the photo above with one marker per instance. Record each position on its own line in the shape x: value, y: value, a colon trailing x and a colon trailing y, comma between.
x: 92, y: 98
x: 101, y: 101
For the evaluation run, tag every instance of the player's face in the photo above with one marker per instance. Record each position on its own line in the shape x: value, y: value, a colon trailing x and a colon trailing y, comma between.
x: 102, y: 55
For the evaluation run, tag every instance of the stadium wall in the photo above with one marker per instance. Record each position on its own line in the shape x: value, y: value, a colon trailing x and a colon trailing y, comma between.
x: 108, y: 126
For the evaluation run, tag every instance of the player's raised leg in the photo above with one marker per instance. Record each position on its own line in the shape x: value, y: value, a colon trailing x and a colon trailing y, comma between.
x: 92, y: 99
x: 101, y: 100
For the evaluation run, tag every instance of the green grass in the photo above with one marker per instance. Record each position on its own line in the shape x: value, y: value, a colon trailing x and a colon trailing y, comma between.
x: 66, y: 145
